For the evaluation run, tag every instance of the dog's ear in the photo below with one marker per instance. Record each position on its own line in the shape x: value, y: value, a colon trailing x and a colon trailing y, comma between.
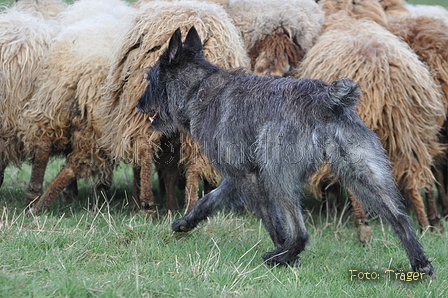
x: 193, y: 42
x: 173, y: 52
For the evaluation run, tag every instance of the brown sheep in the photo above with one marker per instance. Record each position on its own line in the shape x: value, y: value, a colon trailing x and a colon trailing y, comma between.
x: 428, y: 37
x: 59, y: 115
x: 393, y: 81
x: 277, y: 33
x: 25, y: 37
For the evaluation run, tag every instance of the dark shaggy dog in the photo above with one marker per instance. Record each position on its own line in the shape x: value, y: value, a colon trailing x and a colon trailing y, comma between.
x: 266, y: 136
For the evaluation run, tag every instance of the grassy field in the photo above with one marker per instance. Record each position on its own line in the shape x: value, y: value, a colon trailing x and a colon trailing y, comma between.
x: 96, y: 247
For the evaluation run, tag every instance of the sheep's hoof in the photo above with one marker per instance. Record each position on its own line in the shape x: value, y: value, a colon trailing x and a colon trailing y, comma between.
x: 68, y: 196
x: 31, y: 212
x: 148, y: 213
x: 32, y: 196
x: 436, y: 224
x: 365, y: 233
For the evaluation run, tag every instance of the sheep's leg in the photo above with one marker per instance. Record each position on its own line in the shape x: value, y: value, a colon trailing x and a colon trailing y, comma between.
x: 326, y: 192
x: 361, y: 221
x: 64, y: 177
x: 170, y: 179
x: 208, y: 187
x: 135, y: 203
x: 146, y: 195
x: 167, y: 165
x: 40, y: 161
x: 433, y: 213
x: 3, y: 166
x: 70, y: 192
x: 441, y: 175
x: 414, y: 196
x: 340, y: 198
x: 106, y: 183
x: 192, y: 188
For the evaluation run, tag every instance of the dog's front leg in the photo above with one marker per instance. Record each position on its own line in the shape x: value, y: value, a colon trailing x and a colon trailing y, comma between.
x: 207, y: 206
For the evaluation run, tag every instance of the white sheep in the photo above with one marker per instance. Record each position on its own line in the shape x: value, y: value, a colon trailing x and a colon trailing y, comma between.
x: 26, y: 32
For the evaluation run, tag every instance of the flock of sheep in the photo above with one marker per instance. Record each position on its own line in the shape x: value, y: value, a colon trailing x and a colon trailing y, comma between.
x: 71, y: 75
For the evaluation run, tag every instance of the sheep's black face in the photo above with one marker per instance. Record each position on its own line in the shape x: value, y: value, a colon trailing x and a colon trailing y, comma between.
x: 155, y: 103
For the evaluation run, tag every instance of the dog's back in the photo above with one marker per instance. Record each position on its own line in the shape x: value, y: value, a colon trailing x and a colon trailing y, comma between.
x: 253, y: 120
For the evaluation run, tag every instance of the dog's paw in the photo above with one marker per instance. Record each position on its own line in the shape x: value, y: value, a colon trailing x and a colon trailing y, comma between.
x: 428, y: 269
x: 274, y: 258
x: 181, y: 225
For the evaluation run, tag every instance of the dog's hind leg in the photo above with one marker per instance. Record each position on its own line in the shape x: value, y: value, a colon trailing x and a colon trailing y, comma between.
x: 258, y: 199
x: 364, y: 169
x: 273, y: 221
x: 296, y: 234
x: 208, y: 205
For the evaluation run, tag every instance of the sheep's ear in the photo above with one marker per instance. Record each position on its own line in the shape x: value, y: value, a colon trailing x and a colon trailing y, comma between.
x: 193, y: 42
x: 173, y: 52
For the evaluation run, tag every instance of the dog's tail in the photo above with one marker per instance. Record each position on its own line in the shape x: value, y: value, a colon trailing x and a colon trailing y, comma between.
x: 342, y: 93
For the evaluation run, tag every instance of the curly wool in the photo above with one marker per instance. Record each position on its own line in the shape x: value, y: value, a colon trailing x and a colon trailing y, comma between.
x: 48, y: 9
x: 277, y: 33
x: 147, y: 37
x: 24, y: 43
x: 358, y: 9
x: 69, y: 88
x: 428, y: 37
x: 435, y: 11
x: 400, y: 101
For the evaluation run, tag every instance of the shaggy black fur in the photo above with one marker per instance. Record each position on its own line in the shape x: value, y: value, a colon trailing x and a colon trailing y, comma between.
x: 266, y: 136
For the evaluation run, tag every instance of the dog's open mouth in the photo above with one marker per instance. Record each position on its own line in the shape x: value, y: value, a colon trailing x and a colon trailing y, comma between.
x: 151, y: 118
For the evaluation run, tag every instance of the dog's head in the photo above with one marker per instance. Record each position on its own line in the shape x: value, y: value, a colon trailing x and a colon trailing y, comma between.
x: 154, y: 102
x: 173, y: 81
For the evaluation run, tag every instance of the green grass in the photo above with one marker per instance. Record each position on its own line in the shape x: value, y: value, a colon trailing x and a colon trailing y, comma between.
x: 95, y: 247
x: 429, y: 2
